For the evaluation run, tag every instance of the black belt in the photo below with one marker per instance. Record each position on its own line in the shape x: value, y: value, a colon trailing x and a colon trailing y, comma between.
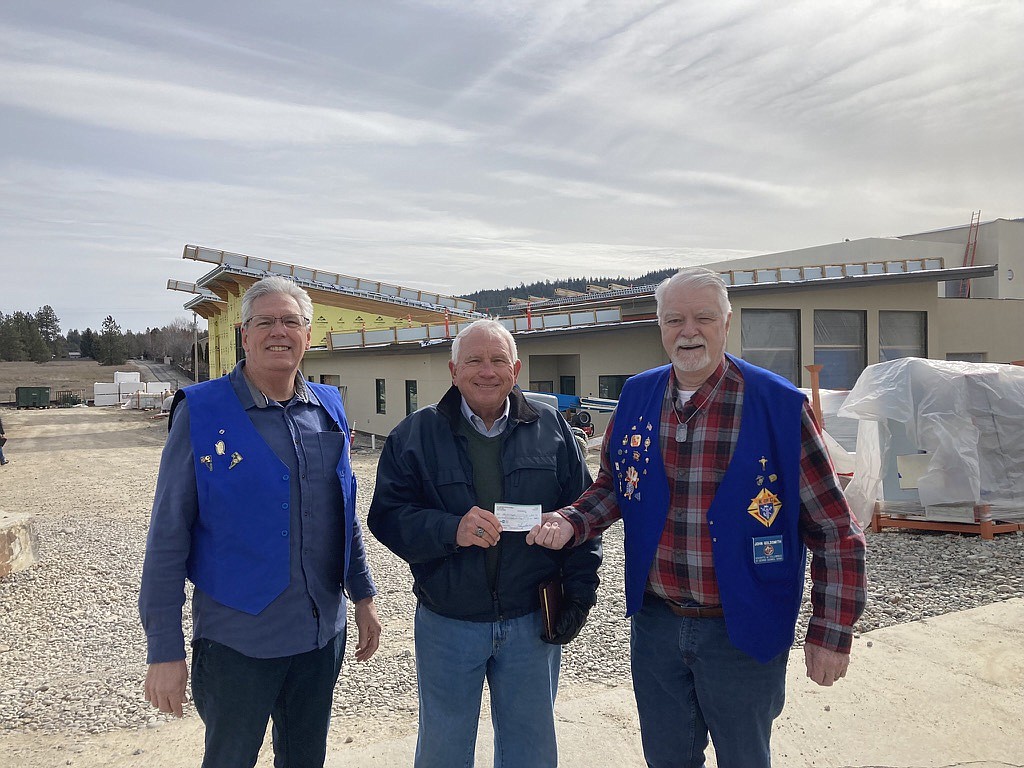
x: 691, y: 611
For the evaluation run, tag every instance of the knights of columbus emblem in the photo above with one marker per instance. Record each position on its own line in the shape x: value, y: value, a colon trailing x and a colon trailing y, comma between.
x: 765, y: 507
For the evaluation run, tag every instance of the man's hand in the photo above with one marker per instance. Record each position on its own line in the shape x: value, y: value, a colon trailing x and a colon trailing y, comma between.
x: 369, y: 629
x: 478, y: 528
x: 165, y: 686
x: 570, y: 622
x: 554, y: 532
x: 824, y: 666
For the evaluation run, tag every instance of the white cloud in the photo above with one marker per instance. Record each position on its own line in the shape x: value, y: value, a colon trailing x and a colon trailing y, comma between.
x: 457, y: 146
x: 179, y: 111
x: 584, y: 190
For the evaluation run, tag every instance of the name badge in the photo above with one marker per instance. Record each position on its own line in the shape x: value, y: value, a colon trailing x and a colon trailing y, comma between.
x: 517, y: 517
x: 768, y: 549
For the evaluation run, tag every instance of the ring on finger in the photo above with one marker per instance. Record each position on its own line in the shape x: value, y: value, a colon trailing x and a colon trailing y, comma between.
x: 480, y: 532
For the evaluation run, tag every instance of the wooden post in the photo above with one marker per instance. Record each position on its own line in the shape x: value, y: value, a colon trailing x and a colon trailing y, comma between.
x: 815, y: 396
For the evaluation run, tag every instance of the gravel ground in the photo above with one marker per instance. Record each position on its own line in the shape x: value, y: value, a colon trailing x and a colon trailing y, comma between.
x: 72, y: 653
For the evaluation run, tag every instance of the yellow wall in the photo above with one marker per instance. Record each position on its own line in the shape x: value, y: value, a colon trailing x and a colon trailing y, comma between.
x: 325, y: 319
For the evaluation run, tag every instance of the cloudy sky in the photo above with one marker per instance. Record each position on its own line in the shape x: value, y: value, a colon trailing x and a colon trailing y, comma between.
x: 455, y: 145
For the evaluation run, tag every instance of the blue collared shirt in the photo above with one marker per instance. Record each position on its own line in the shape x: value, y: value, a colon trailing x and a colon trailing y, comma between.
x: 311, y: 610
x: 478, y: 424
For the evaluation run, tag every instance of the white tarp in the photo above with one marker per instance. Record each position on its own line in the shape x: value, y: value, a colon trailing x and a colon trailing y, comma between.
x: 968, y: 418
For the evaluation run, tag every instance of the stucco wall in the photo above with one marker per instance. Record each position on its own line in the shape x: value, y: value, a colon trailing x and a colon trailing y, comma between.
x: 993, y: 327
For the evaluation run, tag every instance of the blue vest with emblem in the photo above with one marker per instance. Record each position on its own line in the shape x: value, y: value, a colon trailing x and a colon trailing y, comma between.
x: 240, y: 552
x: 753, y: 519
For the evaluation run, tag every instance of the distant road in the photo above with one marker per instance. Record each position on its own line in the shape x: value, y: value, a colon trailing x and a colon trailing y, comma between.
x: 153, y: 371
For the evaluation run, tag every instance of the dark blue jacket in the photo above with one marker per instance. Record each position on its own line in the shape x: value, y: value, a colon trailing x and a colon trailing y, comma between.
x: 425, y: 486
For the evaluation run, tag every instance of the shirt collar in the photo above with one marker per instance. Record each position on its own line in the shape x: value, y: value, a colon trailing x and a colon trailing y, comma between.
x: 260, y: 400
x: 478, y: 423
x: 704, y: 391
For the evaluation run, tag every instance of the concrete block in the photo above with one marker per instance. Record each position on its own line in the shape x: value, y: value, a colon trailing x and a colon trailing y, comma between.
x: 19, y: 543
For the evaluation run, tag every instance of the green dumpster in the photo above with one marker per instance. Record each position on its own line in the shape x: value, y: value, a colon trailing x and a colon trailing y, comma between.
x: 32, y: 397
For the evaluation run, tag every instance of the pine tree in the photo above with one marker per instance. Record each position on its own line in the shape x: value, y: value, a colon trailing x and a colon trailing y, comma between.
x: 49, y: 328
x: 88, y: 343
x: 111, y: 346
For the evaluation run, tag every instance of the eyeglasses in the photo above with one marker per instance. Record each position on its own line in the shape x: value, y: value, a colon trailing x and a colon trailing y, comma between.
x: 266, y: 322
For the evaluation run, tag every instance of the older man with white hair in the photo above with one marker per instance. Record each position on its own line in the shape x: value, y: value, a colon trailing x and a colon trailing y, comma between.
x: 720, y: 477
x: 455, y: 482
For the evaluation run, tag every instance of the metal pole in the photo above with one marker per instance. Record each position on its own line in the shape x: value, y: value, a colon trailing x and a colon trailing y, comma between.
x: 195, y: 348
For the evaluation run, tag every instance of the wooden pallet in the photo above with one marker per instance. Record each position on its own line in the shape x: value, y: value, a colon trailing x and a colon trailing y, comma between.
x: 985, y: 526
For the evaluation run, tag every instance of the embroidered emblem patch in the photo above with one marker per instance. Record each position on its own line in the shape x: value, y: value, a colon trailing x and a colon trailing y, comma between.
x: 765, y: 507
x: 768, y: 549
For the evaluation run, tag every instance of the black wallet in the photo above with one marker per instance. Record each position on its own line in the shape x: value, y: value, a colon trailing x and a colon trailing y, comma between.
x: 550, y: 605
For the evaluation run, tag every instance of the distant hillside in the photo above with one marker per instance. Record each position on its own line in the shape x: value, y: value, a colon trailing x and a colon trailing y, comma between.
x: 495, y: 301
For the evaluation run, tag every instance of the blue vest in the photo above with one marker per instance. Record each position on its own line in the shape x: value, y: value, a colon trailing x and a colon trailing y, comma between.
x: 240, y: 552
x: 754, y: 518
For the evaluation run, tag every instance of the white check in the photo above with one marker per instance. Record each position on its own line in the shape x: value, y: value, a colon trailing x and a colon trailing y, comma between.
x: 517, y: 517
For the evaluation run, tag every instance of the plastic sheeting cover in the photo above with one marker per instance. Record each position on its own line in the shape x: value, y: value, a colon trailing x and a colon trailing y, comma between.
x: 968, y: 416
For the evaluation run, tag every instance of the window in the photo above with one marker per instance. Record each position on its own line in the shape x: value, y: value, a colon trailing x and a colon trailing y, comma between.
x: 567, y: 385
x: 239, y: 350
x: 902, y: 334
x: 840, y: 346
x: 545, y: 385
x: 411, y: 398
x: 968, y: 357
x: 770, y: 338
x: 381, y: 396
x: 611, y: 386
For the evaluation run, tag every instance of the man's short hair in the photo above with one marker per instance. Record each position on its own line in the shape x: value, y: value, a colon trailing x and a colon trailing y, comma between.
x: 495, y: 327
x: 695, y: 278
x: 276, y: 284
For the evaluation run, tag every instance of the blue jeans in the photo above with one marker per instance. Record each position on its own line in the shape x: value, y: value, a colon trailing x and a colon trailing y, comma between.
x: 452, y: 659
x: 236, y: 695
x: 690, y: 680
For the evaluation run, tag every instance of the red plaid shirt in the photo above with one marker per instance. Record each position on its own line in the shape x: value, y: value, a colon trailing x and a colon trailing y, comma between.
x: 683, y: 570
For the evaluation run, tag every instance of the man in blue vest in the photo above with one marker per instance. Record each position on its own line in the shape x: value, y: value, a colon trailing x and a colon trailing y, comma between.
x: 720, y: 477
x: 255, y: 505
x: 458, y: 484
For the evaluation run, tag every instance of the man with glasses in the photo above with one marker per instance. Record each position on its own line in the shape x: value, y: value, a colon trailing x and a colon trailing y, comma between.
x: 255, y: 505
